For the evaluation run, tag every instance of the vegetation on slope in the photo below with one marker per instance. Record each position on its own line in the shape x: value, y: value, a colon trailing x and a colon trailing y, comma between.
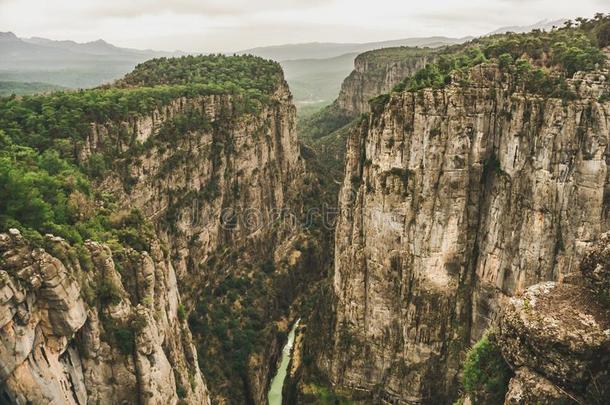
x: 486, y: 375
x: 229, y: 74
x: 40, y: 192
x: 235, y: 313
x: 540, y: 61
x: 323, y: 122
x: 40, y: 121
x: 44, y: 186
x: 22, y: 88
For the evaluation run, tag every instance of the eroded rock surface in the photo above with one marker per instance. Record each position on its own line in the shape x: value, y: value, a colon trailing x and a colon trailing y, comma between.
x: 454, y: 199
x: 63, y: 340
x: 531, y: 388
x: 557, y: 338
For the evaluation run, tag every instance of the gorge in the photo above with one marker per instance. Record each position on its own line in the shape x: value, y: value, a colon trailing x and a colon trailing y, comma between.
x: 471, y: 181
x: 165, y: 238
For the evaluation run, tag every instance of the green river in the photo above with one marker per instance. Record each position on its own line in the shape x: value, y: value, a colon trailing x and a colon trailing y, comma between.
x: 275, y: 392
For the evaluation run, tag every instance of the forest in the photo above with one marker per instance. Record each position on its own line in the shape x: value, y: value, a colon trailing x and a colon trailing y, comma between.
x: 540, y: 61
x: 44, y: 188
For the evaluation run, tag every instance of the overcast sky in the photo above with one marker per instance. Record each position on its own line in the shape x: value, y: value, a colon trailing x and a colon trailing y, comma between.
x: 230, y: 25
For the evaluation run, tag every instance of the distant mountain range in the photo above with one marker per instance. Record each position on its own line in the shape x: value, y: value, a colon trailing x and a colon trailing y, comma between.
x: 322, y: 50
x: 67, y: 63
x: 317, y: 81
x: 314, y: 70
x: 23, y: 88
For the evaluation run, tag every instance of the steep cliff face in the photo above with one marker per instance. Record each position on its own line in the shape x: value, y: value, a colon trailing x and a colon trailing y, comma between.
x: 377, y: 72
x: 198, y: 166
x: 454, y: 198
x: 226, y: 197
x: 76, y: 335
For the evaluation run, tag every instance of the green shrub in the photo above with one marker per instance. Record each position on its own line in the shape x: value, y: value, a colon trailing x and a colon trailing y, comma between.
x: 108, y: 293
x: 322, y: 395
x: 138, y: 323
x: 84, y: 258
x: 192, y: 381
x: 486, y: 374
x: 180, y: 391
x: 603, y: 34
x: 505, y: 60
x: 95, y: 166
x: 268, y: 266
x: 378, y: 103
x: 124, y: 338
x: 88, y: 293
x: 491, y: 166
x: 181, y: 313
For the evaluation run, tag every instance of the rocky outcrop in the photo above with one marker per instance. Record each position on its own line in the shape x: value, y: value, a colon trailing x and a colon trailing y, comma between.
x: 377, y: 72
x: 453, y: 199
x: 530, y: 388
x: 557, y: 338
x: 595, y: 267
x: 75, y: 335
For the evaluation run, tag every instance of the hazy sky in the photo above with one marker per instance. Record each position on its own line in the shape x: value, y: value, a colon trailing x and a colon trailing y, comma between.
x: 228, y: 25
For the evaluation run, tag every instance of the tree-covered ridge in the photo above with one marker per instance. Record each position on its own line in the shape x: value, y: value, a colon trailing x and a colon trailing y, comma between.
x: 385, y: 56
x: 45, y: 187
x: 539, y: 60
x: 44, y: 193
x: 39, y: 120
x: 229, y: 73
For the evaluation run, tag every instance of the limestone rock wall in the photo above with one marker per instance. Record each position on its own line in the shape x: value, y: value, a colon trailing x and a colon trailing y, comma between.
x: 452, y: 200
x: 236, y: 167
x: 372, y: 77
x: 63, y: 342
x: 229, y: 180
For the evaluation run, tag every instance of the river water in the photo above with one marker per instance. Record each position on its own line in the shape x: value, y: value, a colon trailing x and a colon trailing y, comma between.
x: 275, y: 392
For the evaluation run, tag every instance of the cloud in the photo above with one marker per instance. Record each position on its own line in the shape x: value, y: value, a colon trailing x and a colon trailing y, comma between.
x: 133, y: 8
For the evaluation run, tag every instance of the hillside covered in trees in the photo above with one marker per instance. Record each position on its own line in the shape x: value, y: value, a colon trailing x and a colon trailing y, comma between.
x: 46, y: 188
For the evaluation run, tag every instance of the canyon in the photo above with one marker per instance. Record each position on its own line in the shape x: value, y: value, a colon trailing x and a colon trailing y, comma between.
x: 184, y: 231
x: 454, y: 200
